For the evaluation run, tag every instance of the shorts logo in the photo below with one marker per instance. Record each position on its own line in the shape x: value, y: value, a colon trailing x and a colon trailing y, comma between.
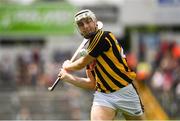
x: 138, y: 112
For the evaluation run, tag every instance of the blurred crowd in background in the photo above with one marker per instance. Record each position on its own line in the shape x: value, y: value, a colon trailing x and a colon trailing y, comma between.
x: 26, y: 72
x: 165, y: 79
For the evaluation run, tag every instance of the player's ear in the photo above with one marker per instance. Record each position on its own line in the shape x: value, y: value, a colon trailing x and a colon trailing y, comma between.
x: 96, y: 24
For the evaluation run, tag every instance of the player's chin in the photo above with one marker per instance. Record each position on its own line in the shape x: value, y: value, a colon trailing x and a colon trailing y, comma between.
x: 89, y: 35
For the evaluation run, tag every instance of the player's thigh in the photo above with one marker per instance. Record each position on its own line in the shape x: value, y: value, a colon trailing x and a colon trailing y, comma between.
x: 102, y: 113
x: 129, y: 117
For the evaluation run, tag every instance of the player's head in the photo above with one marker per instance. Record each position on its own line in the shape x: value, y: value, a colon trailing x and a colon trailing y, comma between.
x: 86, y: 22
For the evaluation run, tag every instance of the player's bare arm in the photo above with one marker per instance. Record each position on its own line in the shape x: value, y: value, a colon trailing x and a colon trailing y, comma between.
x: 78, y: 64
x: 87, y: 83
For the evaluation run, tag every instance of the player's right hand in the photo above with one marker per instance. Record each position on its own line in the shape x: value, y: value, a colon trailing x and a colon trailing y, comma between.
x: 63, y: 74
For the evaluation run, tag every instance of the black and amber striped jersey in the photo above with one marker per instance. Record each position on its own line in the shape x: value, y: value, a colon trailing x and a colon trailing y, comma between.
x: 111, y: 71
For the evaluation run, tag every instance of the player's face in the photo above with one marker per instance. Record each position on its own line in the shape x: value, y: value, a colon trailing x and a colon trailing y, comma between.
x: 86, y: 26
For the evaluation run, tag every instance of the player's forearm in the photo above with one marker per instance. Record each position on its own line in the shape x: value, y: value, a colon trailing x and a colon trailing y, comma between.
x: 77, y: 65
x: 81, y: 82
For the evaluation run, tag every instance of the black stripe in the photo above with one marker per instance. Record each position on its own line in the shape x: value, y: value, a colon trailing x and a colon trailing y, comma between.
x: 103, y: 81
x: 117, y: 83
x: 95, y: 40
x: 80, y: 13
x: 111, y: 64
x: 116, y: 52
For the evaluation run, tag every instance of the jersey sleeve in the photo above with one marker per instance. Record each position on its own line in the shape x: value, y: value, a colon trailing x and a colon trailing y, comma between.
x: 99, y: 44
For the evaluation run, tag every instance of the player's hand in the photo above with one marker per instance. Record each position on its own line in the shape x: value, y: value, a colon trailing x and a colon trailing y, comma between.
x: 63, y: 75
x: 66, y: 64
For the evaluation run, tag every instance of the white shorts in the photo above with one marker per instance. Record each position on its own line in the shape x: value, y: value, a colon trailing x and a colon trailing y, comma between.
x: 126, y: 100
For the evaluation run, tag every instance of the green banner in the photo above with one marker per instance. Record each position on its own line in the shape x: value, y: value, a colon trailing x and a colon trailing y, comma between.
x: 37, y: 19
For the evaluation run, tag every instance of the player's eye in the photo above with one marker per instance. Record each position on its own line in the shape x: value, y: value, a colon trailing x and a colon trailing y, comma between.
x: 80, y: 24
